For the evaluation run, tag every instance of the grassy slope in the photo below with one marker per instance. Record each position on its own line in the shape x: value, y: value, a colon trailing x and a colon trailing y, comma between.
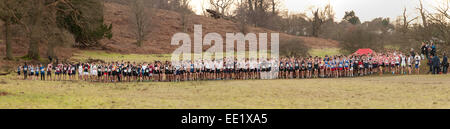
x: 108, y: 57
x: 422, y: 91
x: 167, y: 23
x: 324, y: 51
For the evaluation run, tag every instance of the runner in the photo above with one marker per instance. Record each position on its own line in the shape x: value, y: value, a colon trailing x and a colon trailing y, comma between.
x: 18, y: 71
x: 49, y: 72
x: 417, y: 63
x: 42, y: 70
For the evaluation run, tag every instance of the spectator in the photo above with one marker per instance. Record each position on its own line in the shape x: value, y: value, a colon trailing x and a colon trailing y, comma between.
x: 444, y: 64
x: 428, y: 51
x: 436, y: 64
x: 50, y: 58
x: 412, y: 52
x: 25, y: 70
x: 430, y: 64
x: 424, y: 50
x: 433, y: 49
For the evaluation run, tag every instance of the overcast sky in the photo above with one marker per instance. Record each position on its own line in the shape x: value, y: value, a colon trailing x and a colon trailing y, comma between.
x: 366, y: 10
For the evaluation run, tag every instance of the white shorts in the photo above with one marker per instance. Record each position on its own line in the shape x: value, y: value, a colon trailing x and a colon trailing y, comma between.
x: 85, y: 73
x: 94, y: 72
x: 403, y: 64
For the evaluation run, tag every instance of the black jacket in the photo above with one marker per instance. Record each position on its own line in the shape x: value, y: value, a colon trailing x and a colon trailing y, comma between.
x: 424, y: 49
x: 436, y: 61
x: 445, y: 61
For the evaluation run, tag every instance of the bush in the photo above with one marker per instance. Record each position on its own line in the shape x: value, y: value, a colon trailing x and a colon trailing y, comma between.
x: 293, y: 48
x: 357, y: 38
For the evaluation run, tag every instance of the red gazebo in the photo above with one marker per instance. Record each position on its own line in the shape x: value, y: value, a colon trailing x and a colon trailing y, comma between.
x: 365, y: 51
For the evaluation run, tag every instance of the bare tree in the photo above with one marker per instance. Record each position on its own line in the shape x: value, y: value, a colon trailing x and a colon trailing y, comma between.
x: 440, y: 23
x: 221, y: 6
x: 9, y: 10
x: 444, y: 9
x: 423, y: 14
x: 295, y: 24
x: 406, y: 22
x: 328, y: 13
x: 185, y: 12
x: 141, y: 17
x: 202, y: 5
x: 241, y: 16
x: 320, y: 17
x: 162, y: 4
x: 35, y: 13
x: 273, y: 6
x: 317, y: 22
x: 425, y: 30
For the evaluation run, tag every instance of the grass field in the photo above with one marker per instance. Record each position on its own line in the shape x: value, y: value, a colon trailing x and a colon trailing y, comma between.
x: 324, y: 51
x: 414, y: 91
x: 108, y: 57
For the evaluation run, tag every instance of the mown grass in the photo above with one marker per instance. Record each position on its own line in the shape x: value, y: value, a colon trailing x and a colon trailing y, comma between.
x: 108, y: 57
x: 324, y: 51
x: 395, y: 47
x: 413, y: 91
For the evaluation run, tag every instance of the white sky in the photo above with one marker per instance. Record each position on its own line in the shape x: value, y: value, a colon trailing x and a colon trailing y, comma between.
x: 366, y: 10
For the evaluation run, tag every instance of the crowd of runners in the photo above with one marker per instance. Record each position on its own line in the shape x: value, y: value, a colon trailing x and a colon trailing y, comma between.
x: 229, y: 69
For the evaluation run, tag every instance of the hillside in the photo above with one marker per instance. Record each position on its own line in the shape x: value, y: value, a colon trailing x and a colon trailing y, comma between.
x: 167, y: 23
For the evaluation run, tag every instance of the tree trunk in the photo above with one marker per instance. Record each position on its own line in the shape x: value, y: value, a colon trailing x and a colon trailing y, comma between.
x: 422, y: 14
x: 426, y: 31
x: 8, y: 43
x: 139, y: 41
x: 250, y: 6
x: 51, y: 50
x: 251, y: 13
x: 33, y: 50
x: 405, y: 22
x: 273, y: 7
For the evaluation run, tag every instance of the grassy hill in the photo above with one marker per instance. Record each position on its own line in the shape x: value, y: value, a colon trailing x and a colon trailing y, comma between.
x: 167, y: 23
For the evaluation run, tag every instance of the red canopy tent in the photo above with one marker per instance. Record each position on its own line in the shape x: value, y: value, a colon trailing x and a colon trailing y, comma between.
x: 365, y: 51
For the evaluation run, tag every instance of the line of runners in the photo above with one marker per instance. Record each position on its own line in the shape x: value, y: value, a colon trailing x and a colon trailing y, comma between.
x: 227, y: 69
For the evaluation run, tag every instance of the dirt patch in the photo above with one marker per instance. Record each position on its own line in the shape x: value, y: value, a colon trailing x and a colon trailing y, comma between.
x: 3, y: 74
x: 2, y: 93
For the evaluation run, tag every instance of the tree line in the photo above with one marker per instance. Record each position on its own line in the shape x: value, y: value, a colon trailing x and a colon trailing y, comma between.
x: 405, y: 32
